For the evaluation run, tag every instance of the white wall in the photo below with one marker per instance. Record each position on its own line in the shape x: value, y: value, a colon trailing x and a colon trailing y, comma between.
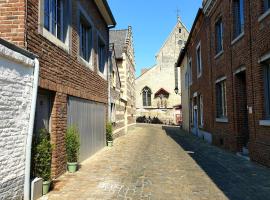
x: 16, y: 81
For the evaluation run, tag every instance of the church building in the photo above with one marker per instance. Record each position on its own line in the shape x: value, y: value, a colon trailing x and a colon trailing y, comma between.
x: 155, y: 87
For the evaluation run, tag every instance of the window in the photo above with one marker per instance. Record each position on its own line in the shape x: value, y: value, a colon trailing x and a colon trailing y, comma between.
x: 85, y: 39
x: 101, y: 56
x: 146, y: 93
x: 266, y: 5
x: 219, y: 36
x: 238, y: 17
x: 191, y: 108
x: 200, y: 98
x: 190, y: 71
x: 267, y: 91
x: 113, y: 113
x: 54, y: 12
x: 199, y: 60
x: 221, y: 102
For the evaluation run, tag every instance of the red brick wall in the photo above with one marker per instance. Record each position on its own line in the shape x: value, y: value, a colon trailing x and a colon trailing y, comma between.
x: 260, y: 31
x: 243, y: 53
x: 63, y: 73
x: 12, y: 20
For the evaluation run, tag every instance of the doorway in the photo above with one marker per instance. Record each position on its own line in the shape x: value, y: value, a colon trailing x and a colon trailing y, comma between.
x: 242, y: 112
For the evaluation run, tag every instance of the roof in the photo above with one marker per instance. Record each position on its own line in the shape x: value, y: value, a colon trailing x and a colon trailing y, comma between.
x: 106, y: 12
x: 161, y: 91
x: 118, y: 38
x: 179, y: 22
x: 18, y: 49
x: 183, y: 51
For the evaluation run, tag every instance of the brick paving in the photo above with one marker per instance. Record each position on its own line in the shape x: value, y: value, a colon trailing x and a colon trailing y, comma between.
x: 164, y: 163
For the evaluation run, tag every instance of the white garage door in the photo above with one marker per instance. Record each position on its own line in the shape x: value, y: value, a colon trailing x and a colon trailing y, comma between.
x: 89, y: 117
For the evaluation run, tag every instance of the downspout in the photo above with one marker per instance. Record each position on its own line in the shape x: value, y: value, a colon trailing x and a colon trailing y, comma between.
x: 30, y: 133
x: 189, y: 109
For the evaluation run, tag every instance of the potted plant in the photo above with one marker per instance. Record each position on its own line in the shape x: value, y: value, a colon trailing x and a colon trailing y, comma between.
x: 42, y: 157
x: 109, y: 136
x: 72, y: 148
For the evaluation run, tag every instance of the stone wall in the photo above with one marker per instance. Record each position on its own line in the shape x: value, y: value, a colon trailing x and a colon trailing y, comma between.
x: 162, y: 76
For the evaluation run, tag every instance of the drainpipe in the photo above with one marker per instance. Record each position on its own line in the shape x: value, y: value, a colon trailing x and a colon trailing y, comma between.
x: 30, y: 133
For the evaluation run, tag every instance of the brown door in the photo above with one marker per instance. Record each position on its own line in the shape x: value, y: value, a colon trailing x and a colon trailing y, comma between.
x: 241, y: 111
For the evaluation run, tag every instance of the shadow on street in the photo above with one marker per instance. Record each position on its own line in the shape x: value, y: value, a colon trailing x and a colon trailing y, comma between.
x: 239, y: 179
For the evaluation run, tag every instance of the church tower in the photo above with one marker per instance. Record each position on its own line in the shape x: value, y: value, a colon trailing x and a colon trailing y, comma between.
x: 155, y: 96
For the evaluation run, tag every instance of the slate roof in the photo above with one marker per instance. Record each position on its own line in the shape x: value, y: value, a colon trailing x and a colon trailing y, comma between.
x: 118, y: 38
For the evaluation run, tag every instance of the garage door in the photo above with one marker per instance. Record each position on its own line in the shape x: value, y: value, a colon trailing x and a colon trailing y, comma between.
x: 89, y: 117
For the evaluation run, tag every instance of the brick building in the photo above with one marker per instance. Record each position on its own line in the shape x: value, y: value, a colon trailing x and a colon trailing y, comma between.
x: 71, y: 39
x: 228, y: 54
x: 125, y: 60
x: 116, y: 103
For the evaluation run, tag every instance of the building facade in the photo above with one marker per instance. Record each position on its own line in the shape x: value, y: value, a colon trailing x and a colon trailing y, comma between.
x: 155, y: 95
x: 125, y: 61
x: 184, y: 92
x: 229, y: 86
x: 71, y: 39
x: 18, y: 75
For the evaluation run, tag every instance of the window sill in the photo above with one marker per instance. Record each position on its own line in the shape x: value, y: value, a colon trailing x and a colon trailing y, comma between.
x: 46, y: 34
x: 85, y: 63
x: 264, y: 15
x: 222, y: 120
x: 102, y: 75
x: 238, y: 38
x: 264, y: 122
x: 219, y: 54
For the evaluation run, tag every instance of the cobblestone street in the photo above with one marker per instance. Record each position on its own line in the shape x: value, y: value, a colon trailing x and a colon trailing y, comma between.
x: 155, y: 162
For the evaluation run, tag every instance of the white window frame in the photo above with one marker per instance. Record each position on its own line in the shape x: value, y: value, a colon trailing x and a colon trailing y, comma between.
x: 224, y: 117
x: 201, y: 110
x: 199, y: 60
x: 81, y: 11
x: 65, y: 45
x: 219, y: 24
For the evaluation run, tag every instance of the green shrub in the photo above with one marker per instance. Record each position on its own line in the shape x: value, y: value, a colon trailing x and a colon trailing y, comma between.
x: 109, y: 136
x: 72, y: 144
x: 42, y: 155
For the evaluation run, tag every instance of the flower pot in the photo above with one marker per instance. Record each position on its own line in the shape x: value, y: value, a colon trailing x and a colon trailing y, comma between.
x: 110, y: 143
x: 46, y: 187
x: 72, y: 167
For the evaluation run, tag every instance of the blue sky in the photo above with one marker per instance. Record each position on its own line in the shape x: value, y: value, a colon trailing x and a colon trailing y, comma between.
x: 152, y: 21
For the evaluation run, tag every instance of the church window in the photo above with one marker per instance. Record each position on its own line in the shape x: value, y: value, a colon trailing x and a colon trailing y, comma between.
x: 146, y: 93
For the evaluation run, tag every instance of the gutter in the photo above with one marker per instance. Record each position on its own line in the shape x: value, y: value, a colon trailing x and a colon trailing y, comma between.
x: 30, y: 133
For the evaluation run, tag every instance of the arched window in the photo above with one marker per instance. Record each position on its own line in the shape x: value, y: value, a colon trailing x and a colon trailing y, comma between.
x: 146, y: 93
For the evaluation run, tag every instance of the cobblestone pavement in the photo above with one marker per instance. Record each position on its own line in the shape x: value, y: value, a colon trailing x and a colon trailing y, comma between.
x: 163, y: 163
